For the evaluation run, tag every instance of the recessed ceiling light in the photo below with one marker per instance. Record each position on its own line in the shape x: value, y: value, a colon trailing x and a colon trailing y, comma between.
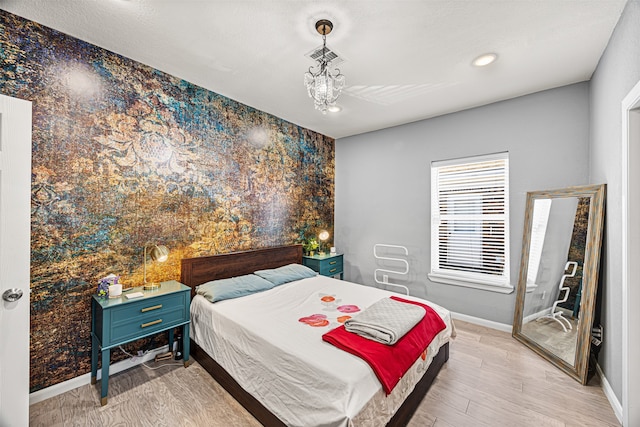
x: 334, y: 109
x: 485, y: 59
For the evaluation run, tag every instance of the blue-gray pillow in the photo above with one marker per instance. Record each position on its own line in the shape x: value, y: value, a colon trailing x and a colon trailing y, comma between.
x: 234, y: 287
x: 285, y: 274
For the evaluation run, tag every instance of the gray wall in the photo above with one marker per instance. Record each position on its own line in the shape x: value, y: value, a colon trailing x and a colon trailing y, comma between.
x: 616, y: 74
x: 383, y: 183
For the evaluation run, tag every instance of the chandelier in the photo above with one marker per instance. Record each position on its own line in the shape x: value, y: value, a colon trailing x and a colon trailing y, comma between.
x: 324, y: 85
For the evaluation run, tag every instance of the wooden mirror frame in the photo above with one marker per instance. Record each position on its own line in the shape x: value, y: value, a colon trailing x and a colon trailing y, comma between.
x: 596, y: 193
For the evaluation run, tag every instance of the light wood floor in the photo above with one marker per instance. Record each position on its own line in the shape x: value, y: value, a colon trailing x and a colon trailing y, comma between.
x: 489, y: 380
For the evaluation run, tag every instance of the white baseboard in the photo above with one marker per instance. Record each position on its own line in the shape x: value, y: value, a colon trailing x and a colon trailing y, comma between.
x: 56, y: 389
x: 547, y: 311
x: 482, y: 322
x: 608, y: 391
x: 534, y: 316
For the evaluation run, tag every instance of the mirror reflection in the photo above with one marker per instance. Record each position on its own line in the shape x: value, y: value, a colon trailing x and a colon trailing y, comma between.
x: 559, y: 275
x: 554, y: 274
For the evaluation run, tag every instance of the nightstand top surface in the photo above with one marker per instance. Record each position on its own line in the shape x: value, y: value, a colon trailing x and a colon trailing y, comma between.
x: 166, y: 288
x: 318, y: 256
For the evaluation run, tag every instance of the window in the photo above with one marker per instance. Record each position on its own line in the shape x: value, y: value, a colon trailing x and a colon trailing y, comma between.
x: 470, y: 222
x: 539, y: 221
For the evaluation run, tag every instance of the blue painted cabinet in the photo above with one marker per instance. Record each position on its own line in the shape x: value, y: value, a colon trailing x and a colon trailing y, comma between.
x: 116, y: 321
x: 326, y: 265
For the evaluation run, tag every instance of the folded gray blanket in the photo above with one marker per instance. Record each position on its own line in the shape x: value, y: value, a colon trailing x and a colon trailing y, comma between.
x: 385, y: 321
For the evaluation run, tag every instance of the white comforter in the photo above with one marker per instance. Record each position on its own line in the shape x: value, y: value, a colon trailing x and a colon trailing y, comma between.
x: 266, y: 341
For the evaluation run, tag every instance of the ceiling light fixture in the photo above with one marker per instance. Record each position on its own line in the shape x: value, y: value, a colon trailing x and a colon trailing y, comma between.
x: 334, y: 109
x: 485, y: 59
x: 324, y: 85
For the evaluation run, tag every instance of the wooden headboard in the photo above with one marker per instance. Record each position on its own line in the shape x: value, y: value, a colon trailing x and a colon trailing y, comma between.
x: 196, y: 271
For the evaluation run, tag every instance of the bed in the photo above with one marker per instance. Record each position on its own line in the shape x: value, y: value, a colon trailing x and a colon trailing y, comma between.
x: 295, y: 386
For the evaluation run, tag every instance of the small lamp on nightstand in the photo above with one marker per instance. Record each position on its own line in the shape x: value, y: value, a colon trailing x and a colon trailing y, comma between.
x: 323, y: 237
x: 158, y: 253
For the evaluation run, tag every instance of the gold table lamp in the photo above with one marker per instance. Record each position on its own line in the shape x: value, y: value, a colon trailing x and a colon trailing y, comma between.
x: 158, y: 253
x: 323, y: 236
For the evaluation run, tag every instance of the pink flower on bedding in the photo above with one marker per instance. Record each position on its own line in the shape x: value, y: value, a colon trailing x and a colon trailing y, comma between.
x: 315, y: 320
x: 349, y: 308
x: 343, y: 319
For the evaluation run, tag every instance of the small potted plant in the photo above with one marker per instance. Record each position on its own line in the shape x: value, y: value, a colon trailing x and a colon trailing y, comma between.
x: 310, y: 245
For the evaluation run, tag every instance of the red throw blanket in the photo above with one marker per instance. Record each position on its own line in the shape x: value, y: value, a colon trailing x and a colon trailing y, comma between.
x: 390, y: 362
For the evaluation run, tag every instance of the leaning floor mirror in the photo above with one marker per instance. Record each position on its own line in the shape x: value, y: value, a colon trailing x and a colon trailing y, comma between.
x: 558, y: 278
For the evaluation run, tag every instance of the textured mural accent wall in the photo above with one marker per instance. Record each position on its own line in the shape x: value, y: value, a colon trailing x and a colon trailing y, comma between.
x: 124, y: 155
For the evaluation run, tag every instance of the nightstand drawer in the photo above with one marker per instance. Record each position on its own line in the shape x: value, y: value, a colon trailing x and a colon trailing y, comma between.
x: 331, y: 266
x: 147, y: 316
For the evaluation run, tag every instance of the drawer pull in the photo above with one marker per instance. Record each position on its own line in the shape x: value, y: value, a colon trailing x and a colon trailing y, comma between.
x: 155, y: 307
x: 333, y: 270
x: 333, y: 262
x: 155, y: 322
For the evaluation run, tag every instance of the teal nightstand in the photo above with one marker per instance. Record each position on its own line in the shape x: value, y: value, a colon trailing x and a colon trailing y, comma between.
x: 326, y: 265
x: 116, y: 321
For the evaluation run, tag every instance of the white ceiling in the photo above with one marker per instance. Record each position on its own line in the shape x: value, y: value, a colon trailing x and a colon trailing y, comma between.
x: 405, y: 60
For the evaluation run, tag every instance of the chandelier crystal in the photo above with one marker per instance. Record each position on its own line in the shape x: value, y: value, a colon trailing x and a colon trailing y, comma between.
x: 324, y: 85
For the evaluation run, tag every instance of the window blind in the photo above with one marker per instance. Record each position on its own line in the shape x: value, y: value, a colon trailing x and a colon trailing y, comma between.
x: 470, y: 211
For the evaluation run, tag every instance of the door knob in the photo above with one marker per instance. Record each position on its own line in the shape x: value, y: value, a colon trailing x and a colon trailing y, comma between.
x: 11, y: 295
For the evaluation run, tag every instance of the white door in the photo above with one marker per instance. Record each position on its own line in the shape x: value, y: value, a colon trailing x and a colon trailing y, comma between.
x: 15, y: 219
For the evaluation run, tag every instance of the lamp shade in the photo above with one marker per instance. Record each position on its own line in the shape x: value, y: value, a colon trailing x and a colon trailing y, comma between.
x: 324, y: 235
x: 159, y: 253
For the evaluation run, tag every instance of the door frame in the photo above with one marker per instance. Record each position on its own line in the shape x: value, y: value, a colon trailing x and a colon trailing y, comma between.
x: 630, y: 251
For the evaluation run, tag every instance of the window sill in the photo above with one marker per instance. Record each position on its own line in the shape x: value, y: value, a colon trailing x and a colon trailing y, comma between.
x: 506, y: 289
